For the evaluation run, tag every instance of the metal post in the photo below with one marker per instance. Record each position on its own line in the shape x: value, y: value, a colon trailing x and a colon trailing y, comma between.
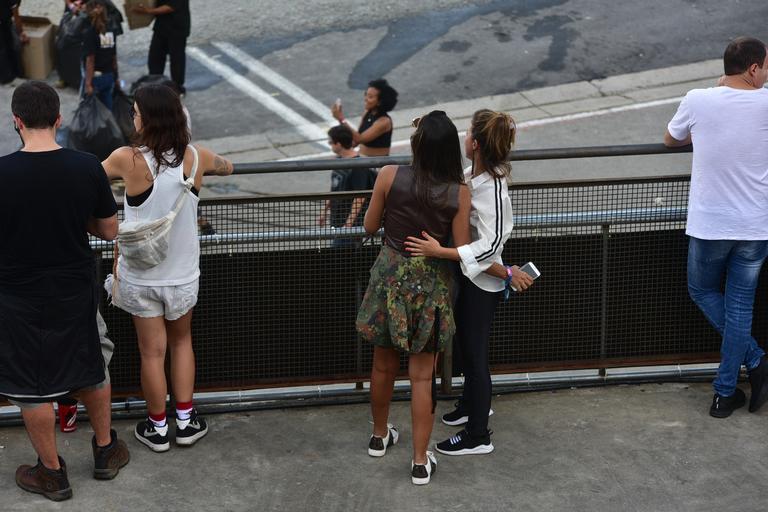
x: 359, y: 297
x: 605, y: 229
x: 446, y: 375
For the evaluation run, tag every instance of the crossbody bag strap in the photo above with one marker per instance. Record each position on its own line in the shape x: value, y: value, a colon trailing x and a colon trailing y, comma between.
x: 188, y: 183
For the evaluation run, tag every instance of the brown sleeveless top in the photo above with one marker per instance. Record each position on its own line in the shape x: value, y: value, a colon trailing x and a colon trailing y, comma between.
x: 405, y: 216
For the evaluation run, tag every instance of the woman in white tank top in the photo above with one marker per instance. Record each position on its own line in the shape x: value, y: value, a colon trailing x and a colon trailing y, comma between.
x: 160, y: 299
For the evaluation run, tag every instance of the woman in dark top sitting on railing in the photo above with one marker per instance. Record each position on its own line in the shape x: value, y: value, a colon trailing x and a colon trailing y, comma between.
x: 407, y: 306
x: 374, y: 135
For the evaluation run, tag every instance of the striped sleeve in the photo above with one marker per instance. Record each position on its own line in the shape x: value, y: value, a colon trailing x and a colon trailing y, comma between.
x: 492, y: 230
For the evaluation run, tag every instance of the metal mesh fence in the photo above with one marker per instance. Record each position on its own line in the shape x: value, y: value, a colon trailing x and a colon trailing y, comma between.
x: 279, y: 294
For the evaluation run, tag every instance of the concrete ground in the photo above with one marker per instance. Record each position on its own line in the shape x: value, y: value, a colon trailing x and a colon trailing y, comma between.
x: 650, y: 447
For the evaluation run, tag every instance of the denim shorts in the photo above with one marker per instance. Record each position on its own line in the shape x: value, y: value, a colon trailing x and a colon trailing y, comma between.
x: 171, y: 302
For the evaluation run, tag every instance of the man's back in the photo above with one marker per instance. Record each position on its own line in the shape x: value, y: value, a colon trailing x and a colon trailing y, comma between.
x: 729, y: 179
x: 46, y: 201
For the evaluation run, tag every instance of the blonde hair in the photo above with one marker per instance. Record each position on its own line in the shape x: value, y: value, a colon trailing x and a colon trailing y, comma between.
x: 495, y: 136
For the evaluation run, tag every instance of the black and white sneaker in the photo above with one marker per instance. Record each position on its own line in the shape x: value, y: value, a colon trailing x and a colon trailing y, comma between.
x: 192, y: 430
x: 464, y: 444
x: 458, y: 416
x: 422, y: 473
x: 377, y: 446
x: 148, y: 435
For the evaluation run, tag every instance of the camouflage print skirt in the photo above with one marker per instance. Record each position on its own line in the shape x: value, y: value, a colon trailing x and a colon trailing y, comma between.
x: 407, y: 300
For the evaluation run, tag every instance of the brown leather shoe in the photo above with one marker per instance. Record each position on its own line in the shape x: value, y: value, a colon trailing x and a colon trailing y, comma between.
x: 51, y: 483
x: 108, y: 460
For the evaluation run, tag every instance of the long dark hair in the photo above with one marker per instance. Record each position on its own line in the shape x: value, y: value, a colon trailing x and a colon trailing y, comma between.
x: 495, y: 136
x: 436, y: 157
x: 99, y: 21
x: 163, y: 124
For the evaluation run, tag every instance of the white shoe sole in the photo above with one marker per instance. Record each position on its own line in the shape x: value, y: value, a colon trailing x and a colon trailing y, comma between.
x: 462, y: 420
x: 189, y: 441
x: 158, y: 448
x: 477, y: 450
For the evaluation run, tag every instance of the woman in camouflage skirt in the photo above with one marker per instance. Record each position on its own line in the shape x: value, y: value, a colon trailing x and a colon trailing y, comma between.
x: 407, y: 307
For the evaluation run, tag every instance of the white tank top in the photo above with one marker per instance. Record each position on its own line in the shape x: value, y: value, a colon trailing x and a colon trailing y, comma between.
x: 182, y: 265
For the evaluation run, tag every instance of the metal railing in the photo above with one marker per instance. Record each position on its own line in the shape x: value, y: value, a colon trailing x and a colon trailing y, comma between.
x: 279, y: 295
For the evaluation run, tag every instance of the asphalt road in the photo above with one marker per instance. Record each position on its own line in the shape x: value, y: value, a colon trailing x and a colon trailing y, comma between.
x: 432, y: 51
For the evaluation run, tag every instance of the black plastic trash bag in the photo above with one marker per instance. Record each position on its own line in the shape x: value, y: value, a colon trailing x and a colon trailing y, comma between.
x: 69, y: 42
x: 114, y: 19
x: 94, y: 129
x: 121, y: 109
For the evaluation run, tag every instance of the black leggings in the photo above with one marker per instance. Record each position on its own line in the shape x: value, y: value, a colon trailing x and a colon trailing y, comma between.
x: 474, y: 312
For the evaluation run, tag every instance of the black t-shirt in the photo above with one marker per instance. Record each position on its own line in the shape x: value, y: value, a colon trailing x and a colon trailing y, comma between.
x: 102, y: 46
x: 46, y: 200
x: 177, y: 23
x: 347, y: 180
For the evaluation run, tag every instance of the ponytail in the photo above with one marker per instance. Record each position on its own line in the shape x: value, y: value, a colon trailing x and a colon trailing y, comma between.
x: 495, y: 136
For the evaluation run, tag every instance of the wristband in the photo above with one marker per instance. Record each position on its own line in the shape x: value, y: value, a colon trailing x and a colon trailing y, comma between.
x: 508, y: 283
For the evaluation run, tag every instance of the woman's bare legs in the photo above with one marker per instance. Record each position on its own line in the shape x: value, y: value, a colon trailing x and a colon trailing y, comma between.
x: 152, y: 346
x: 386, y: 363
x: 179, y: 334
x: 420, y: 372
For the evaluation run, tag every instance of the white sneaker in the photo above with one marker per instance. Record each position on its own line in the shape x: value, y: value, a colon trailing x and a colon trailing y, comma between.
x: 421, y: 473
x: 377, y: 447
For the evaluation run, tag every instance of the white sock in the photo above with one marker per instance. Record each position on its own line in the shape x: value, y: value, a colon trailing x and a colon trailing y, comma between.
x: 183, y: 414
x: 182, y: 417
x: 160, y: 426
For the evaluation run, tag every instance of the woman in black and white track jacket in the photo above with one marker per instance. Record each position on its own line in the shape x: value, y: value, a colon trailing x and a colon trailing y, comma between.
x: 489, y: 140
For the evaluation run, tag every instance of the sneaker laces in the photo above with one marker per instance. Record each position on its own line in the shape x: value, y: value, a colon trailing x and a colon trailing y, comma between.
x: 457, y: 438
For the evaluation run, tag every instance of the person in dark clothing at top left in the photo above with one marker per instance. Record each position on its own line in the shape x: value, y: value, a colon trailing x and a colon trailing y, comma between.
x: 10, y: 22
x: 169, y: 38
x: 99, y: 55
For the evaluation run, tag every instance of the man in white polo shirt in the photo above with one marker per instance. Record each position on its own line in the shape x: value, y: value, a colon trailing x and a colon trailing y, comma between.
x: 728, y: 212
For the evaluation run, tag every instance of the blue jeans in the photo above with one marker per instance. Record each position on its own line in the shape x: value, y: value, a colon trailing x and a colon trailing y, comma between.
x: 103, y: 88
x: 729, y: 313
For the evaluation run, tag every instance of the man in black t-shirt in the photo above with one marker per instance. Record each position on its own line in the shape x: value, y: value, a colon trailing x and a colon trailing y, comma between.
x: 348, y: 212
x: 50, y: 199
x: 169, y: 38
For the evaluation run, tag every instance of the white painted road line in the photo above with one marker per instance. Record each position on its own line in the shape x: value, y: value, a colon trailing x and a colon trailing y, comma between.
x: 573, y: 117
x: 596, y: 113
x: 277, y: 80
x: 309, y: 130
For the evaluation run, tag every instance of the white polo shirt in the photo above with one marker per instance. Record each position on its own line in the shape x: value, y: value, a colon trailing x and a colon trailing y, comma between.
x: 728, y: 197
x: 491, y: 224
